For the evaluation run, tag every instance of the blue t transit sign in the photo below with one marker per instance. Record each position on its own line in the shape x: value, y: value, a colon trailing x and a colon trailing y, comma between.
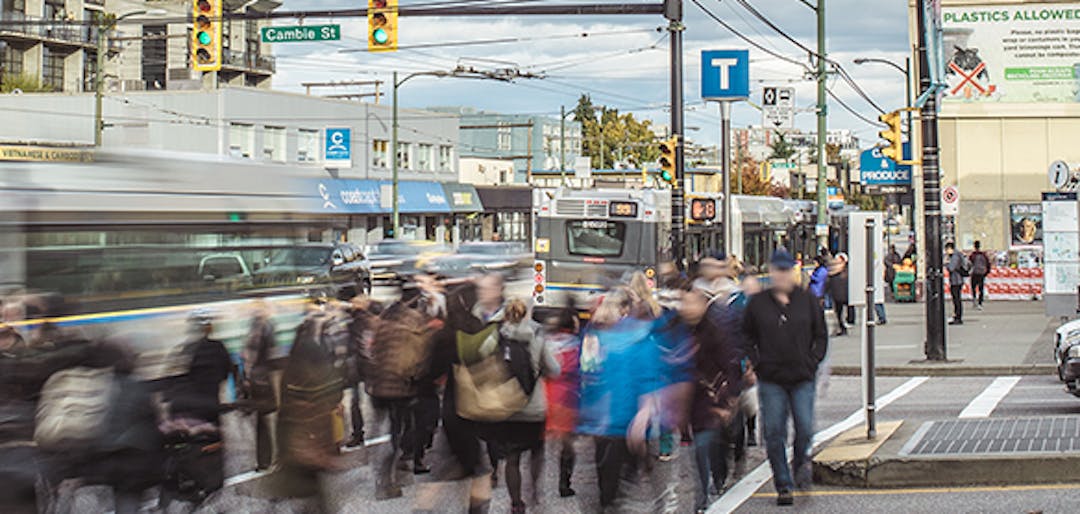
x: 725, y: 74
x: 338, y: 149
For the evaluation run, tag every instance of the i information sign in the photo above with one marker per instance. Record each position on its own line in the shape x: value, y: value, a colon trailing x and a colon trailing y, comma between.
x: 725, y: 74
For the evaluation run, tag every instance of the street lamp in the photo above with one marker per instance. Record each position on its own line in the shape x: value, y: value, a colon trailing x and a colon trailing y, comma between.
x: 105, y: 23
x: 906, y: 70
x: 504, y: 75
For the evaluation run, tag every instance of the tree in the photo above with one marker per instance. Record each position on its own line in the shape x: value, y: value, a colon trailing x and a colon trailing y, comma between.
x: 611, y: 136
x: 754, y: 183
x: 782, y: 150
x: 10, y: 82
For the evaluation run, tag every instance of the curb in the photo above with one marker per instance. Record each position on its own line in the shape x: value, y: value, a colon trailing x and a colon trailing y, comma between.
x: 948, y: 370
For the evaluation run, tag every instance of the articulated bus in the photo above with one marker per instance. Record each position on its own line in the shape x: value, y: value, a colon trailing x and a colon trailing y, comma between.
x: 588, y: 240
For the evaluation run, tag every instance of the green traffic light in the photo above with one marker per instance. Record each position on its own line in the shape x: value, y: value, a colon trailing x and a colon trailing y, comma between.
x: 380, y: 36
x: 204, y: 38
x: 666, y: 176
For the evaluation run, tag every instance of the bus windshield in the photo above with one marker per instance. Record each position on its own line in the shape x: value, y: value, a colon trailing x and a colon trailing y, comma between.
x: 595, y: 238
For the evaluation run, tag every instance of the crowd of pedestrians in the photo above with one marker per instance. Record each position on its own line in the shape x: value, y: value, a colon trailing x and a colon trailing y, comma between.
x: 473, y: 389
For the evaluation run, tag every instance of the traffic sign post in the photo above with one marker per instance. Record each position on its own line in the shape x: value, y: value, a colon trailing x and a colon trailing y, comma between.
x: 301, y: 34
x: 778, y: 107
x: 950, y: 201
x: 725, y: 78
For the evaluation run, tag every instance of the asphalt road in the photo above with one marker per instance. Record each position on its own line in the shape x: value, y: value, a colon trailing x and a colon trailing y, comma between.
x: 942, y: 398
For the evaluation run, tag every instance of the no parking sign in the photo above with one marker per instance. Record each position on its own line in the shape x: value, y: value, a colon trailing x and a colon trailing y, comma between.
x: 950, y: 201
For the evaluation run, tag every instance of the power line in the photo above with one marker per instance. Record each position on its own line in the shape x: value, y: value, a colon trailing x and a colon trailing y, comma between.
x: 749, y: 40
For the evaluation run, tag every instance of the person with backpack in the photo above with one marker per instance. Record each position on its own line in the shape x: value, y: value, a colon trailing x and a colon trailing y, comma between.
x: 980, y: 268
x: 959, y: 267
x: 563, y: 392
x: 530, y: 360
x: 258, y: 383
x: 196, y: 394
x: 838, y: 290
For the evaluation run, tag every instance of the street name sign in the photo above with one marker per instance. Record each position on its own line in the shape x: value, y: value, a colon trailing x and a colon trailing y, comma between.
x: 301, y: 34
x: 778, y: 107
x: 725, y: 75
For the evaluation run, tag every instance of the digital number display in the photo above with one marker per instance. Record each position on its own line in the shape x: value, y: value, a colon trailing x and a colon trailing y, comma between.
x: 702, y: 209
x: 622, y: 210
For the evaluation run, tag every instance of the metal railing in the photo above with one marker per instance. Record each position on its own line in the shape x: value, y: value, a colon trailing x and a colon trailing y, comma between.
x: 61, y: 31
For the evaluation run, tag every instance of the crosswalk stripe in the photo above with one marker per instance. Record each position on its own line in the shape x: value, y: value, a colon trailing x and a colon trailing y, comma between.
x: 984, y: 404
x: 745, y: 488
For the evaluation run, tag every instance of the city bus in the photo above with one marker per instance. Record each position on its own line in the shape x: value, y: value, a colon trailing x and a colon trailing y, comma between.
x: 588, y: 240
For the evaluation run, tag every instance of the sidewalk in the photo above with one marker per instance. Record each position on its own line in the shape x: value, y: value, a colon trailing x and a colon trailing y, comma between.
x: 1005, y: 338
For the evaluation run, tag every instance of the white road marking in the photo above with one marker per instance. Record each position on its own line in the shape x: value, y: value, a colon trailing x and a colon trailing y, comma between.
x: 989, y: 399
x: 894, y: 346
x: 745, y: 488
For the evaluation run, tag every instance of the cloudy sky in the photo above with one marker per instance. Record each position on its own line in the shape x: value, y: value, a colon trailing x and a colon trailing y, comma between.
x: 623, y: 63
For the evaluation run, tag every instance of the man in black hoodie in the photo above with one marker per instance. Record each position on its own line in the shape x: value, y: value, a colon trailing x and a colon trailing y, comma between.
x: 786, y: 340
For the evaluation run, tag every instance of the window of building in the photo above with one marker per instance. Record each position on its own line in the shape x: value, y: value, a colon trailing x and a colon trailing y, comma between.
x: 380, y: 152
x: 11, y: 61
x: 89, y: 69
x: 252, y: 38
x: 274, y: 144
x: 154, y: 56
x: 54, y: 10
x: 446, y: 158
x: 307, y: 145
x: 425, y: 157
x: 52, y: 69
x: 241, y: 140
x: 404, y: 156
x: 18, y: 6
x: 505, y: 136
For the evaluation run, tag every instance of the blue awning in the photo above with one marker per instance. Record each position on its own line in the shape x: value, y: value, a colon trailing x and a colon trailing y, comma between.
x: 374, y: 196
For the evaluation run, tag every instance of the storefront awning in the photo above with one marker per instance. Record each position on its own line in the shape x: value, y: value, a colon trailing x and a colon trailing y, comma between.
x: 375, y: 196
x: 462, y: 197
x: 505, y: 198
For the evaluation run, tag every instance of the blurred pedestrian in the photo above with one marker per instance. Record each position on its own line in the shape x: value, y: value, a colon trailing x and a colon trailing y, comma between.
x: 980, y: 268
x: 619, y: 379
x: 892, y: 260
x: 563, y: 392
x: 838, y: 290
x: 524, y: 431
x: 715, y: 417
x: 819, y: 279
x: 363, y: 313
x: 197, y: 393
x: 258, y: 380
x: 786, y: 341
x: 958, y: 266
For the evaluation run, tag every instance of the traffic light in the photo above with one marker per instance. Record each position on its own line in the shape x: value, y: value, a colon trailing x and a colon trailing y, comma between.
x: 382, y: 16
x: 667, y: 160
x: 206, y: 35
x: 893, y: 135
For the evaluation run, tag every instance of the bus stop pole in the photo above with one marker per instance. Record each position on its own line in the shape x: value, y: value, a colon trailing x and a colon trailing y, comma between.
x: 725, y: 159
x: 868, y: 337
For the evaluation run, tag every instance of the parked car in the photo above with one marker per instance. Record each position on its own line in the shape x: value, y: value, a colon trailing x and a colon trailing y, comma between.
x: 227, y: 269
x: 1067, y: 355
x: 333, y: 270
x: 392, y: 260
x: 509, y: 258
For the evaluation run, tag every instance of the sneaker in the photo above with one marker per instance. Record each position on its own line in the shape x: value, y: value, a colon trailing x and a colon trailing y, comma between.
x: 955, y: 321
x: 978, y: 307
x: 355, y: 441
x: 784, y: 497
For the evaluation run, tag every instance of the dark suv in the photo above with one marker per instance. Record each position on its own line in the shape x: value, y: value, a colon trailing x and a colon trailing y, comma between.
x: 334, y: 270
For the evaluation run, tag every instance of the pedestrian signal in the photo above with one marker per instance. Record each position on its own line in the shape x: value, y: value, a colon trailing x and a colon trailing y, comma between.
x: 668, y: 148
x: 206, y: 35
x: 382, y: 18
x: 893, y: 135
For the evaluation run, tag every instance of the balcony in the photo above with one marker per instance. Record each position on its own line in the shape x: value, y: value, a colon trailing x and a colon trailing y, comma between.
x: 247, y: 62
x: 59, y: 33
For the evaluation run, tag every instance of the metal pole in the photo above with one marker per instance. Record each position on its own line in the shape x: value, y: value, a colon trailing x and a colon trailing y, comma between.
x: 99, y: 77
x: 602, y: 160
x: 396, y: 216
x: 678, y: 216
x: 822, y: 127
x: 935, y: 297
x: 868, y: 318
x: 725, y: 159
x: 738, y: 167
x: 562, y: 143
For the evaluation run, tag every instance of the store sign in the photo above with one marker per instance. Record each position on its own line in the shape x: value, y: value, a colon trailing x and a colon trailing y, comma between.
x: 877, y: 170
x: 1012, y: 53
x: 44, y: 154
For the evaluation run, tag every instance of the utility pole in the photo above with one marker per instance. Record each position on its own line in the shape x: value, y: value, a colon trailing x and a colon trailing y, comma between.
x: 562, y: 143
x: 673, y: 11
x: 822, y: 129
x: 396, y: 212
x: 934, y: 285
x: 105, y: 22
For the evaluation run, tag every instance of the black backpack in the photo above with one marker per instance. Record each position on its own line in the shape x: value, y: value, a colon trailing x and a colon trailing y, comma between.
x: 515, y: 354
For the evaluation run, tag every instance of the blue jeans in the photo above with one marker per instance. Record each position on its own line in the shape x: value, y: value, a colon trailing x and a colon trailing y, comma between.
x: 777, y: 403
x: 879, y: 309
